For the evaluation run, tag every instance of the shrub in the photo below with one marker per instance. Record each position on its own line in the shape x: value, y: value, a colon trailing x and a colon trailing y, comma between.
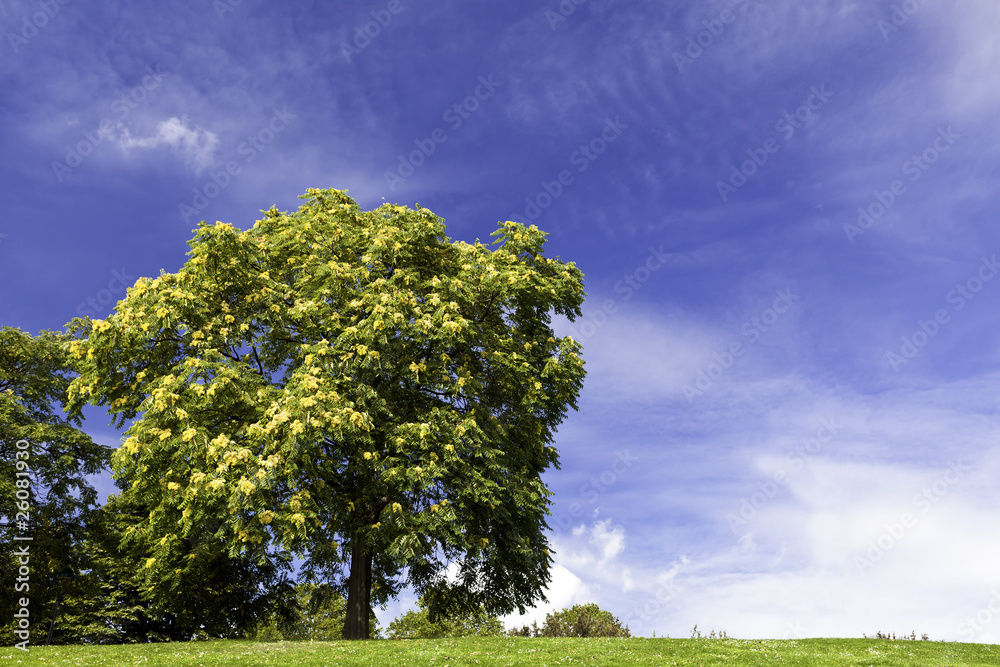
x: 586, y: 620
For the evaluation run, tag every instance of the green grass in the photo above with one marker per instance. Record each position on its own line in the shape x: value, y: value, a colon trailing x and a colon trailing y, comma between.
x: 519, y: 651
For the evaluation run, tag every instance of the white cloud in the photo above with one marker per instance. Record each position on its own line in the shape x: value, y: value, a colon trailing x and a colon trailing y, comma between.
x: 197, y: 146
x: 565, y: 590
x: 827, y: 551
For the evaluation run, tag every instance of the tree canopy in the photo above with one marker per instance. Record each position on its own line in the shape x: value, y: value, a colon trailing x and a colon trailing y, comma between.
x: 349, y: 386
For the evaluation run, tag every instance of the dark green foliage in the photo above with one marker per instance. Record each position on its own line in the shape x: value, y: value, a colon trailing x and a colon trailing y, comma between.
x: 53, y: 460
x: 226, y: 596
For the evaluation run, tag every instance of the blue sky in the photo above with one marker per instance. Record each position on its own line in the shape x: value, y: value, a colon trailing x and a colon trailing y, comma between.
x: 785, y: 212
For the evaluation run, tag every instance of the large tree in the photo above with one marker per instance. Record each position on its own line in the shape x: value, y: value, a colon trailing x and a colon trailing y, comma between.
x: 350, y: 386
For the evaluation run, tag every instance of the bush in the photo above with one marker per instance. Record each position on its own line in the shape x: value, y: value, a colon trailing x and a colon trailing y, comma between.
x: 418, y: 625
x: 586, y: 620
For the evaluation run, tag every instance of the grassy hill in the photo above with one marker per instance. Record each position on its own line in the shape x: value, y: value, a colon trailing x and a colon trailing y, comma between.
x: 520, y: 651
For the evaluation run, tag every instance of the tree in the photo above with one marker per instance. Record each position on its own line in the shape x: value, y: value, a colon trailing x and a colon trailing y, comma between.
x: 44, y: 493
x: 586, y: 620
x: 352, y: 387
x: 418, y: 625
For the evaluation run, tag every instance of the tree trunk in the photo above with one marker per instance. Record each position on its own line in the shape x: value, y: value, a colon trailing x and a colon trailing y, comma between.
x: 359, y: 588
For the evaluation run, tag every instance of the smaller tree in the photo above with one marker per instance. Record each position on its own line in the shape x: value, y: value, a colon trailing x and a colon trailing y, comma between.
x: 582, y: 620
x: 45, y: 493
x: 418, y: 624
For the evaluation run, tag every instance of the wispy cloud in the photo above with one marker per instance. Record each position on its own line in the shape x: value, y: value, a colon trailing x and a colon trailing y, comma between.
x: 195, y: 145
